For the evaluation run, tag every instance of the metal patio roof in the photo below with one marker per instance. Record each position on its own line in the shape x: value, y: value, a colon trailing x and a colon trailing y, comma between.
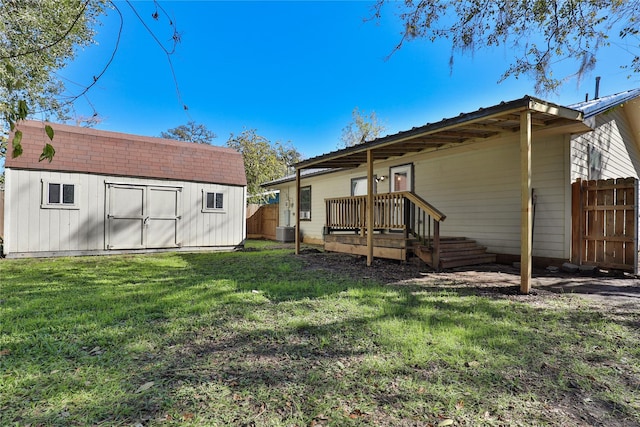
x: 602, y: 104
x: 484, y: 123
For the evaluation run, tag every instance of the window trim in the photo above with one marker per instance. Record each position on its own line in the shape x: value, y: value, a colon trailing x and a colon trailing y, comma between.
x: 44, y: 201
x: 305, y: 218
x: 411, y: 179
x: 206, y: 209
x: 364, y: 178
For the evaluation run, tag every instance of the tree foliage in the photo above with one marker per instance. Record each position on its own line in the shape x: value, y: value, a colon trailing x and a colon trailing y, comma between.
x: 363, y: 128
x: 38, y: 37
x: 191, y: 132
x: 541, y: 33
x: 263, y: 161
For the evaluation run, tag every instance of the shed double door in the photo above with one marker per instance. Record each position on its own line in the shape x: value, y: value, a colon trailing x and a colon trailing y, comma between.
x: 142, y: 217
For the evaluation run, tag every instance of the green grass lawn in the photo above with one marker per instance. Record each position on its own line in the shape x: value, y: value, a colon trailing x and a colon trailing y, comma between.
x: 255, y: 338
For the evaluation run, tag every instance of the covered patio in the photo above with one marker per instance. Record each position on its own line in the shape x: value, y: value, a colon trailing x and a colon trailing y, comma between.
x: 527, y: 118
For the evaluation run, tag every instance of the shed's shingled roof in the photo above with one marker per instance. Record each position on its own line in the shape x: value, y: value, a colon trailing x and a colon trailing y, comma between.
x: 110, y: 153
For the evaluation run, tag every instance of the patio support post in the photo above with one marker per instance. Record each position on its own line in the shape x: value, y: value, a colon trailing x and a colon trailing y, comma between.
x: 297, y: 230
x: 526, y: 216
x: 369, y: 207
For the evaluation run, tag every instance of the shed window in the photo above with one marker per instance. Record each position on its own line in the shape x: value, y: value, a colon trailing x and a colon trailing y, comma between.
x: 305, y: 202
x: 58, y: 195
x: 212, y: 201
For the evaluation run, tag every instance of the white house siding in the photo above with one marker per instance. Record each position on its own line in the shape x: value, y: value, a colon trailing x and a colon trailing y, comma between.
x: 610, y: 151
x: 476, y: 186
x: 32, y: 230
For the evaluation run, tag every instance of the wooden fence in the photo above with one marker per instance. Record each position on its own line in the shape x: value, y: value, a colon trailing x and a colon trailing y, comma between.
x: 605, y: 223
x: 262, y: 221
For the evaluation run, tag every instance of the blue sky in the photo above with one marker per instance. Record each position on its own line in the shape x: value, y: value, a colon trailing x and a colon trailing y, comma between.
x: 293, y: 70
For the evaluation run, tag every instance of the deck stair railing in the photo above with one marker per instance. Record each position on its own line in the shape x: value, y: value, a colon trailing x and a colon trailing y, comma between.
x: 402, y: 210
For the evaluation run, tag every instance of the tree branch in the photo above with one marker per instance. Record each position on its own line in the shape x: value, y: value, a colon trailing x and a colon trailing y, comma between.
x: 55, y: 42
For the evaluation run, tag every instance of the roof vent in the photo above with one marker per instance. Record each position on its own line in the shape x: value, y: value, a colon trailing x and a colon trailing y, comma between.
x: 597, y: 88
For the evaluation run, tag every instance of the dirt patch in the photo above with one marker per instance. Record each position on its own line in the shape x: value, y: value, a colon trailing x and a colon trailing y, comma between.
x: 493, y: 280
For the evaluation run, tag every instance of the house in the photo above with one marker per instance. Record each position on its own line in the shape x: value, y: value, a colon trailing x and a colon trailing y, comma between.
x: 107, y: 192
x: 496, y: 183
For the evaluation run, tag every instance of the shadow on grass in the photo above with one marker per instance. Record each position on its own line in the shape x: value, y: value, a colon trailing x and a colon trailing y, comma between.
x: 255, y: 337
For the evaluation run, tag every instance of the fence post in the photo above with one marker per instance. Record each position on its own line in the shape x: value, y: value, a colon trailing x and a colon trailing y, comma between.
x: 576, y: 222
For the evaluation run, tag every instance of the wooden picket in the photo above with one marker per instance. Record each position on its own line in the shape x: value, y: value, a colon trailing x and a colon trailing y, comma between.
x: 605, y: 223
x: 262, y: 221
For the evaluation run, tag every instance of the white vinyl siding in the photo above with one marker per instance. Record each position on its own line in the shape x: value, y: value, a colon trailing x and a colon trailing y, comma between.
x: 610, y: 151
x: 30, y: 230
x: 479, y: 192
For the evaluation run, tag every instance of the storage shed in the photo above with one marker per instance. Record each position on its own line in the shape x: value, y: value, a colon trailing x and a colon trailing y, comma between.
x: 107, y: 192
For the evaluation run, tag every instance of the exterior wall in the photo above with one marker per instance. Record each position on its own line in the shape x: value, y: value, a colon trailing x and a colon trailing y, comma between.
x: 479, y: 191
x: 31, y: 230
x: 477, y: 186
x: 610, y: 151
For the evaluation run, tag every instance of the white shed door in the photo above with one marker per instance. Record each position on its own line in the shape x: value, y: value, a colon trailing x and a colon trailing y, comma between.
x: 140, y: 217
x: 163, y: 217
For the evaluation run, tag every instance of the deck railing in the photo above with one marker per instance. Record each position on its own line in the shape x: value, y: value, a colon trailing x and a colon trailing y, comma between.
x: 391, y: 211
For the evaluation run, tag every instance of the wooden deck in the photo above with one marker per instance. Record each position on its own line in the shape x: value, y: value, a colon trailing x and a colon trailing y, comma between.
x: 404, y: 225
x: 454, y: 251
x: 387, y: 245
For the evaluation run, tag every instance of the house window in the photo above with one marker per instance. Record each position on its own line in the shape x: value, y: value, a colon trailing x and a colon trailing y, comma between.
x: 305, y: 203
x: 401, y: 178
x: 359, y: 186
x: 212, y: 201
x: 57, y: 195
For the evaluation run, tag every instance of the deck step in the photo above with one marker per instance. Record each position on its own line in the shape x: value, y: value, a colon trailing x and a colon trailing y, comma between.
x: 456, y: 252
x: 475, y: 250
x: 458, y: 245
x: 464, y: 261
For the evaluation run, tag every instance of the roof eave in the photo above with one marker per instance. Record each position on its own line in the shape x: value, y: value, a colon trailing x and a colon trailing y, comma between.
x: 527, y: 103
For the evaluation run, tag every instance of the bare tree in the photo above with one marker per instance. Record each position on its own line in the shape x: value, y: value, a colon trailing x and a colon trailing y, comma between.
x: 363, y: 128
x: 191, y: 132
